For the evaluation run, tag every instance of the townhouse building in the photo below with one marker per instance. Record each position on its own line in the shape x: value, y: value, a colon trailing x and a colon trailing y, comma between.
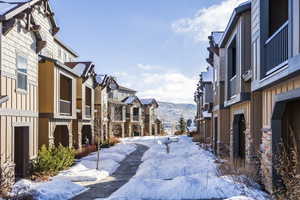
x: 104, y: 85
x: 83, y: 124
x: 152, y: 125
x: 117, y: 110
x: 204, y: 100
x: 275, y: 58
x: 258, y: 60
x: 26, y: 28
x: 236, y: 42
x: 220, y: 118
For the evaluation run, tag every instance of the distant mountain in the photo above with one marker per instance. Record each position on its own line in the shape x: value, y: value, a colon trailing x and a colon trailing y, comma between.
x: 170, y: 113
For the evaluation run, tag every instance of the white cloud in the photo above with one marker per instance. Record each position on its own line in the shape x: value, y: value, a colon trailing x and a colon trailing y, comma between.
x: 206, y: 20
x: 149, y: 67
x: 159, y: 83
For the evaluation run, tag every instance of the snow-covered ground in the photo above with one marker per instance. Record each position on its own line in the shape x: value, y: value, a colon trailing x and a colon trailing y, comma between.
x: 188, y: 172
x: 64, y: 185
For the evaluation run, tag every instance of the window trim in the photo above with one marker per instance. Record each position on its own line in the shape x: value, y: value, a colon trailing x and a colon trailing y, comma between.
x: 21, y: 90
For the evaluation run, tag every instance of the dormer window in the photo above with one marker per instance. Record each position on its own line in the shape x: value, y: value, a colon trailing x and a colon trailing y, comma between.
x: 22, y: 76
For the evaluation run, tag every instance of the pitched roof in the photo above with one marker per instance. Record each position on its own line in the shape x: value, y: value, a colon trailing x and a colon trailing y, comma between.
x: 150, y: 101
x: 207, y: 76
x: 82, y: 68
x: 233, y: 20
x: 9, y: 5
x: 126, y: 89
x: 104, y: 80
x: 3, y: 99
x: 59, y: 64
x: 131, y: 100
x: 66, y: 47
x: 217, y: 36
x: 11, y: 8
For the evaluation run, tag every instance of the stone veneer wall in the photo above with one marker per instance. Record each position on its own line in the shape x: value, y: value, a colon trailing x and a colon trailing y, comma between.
x: 266, y: 160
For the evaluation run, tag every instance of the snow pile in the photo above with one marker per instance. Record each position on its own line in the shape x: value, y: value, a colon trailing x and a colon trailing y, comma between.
x: 188, y: 172
x: 85, y: 169
x: 61, y: 187
x: 55, y: 189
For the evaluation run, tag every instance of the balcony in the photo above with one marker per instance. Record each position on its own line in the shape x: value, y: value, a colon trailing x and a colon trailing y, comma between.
x: 118, y: 117
x: 232, y: 90
x: 65, y: 107
x: 276, y: 49
x: 136, y: 118
x: 88, y: 111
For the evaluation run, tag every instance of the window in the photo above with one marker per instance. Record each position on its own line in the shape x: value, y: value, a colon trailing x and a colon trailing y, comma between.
x: 22, y: 72
x: 232, y: 58
x: 278, y: 14
x: 59, y: 53
x: 65, y: 57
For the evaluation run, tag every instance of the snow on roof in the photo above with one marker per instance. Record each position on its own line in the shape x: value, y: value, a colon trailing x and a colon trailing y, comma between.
x: 79, y: 68
x: 207, y: 76
x: 147, y: 101
x: 8, y: 5
x: 217, y: 36
x: 129, y: 100
x: 100, y: 78
x: 206, y: 114
x: 126, y: 89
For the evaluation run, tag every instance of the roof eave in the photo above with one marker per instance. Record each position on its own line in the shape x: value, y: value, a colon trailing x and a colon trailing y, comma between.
x: 70, y: 50
x: 233, y: 20
x: 61, y: 65
x: 11, y: 13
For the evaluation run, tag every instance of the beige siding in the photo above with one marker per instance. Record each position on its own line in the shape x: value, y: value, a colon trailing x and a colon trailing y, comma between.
x: 52, y: 47
x: 268, y: 96
x: 7, y: 137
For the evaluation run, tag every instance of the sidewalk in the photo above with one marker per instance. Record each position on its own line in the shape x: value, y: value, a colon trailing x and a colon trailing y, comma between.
x: 121, y: 176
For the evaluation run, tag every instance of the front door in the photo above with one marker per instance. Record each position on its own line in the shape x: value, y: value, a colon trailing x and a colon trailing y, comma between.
x: 21, y: 151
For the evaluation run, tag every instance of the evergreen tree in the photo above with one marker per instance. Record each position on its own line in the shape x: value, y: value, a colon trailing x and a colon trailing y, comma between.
x: 182, y: 125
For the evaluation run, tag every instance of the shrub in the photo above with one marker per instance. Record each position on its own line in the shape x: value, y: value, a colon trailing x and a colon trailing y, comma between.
x: 113, y: 141
x: 85, y: 151
x: 51, y: 160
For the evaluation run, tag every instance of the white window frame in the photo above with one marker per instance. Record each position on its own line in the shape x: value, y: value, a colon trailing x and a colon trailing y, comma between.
x: 18, y: 71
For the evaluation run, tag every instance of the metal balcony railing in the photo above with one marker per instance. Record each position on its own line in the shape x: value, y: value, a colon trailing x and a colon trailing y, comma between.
x: 65, y: 107
x: 276, y: 49
x: 135, y: 118
x: 232, y: 86
x: 118, y: 117
x: 88, y: 111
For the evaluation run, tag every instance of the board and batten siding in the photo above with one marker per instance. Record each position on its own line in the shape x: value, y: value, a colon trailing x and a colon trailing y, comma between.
x: 268, y: 97
x: 22, y: 107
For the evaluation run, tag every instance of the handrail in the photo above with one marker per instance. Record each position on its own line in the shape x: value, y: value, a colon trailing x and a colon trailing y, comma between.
x: 277, y: 32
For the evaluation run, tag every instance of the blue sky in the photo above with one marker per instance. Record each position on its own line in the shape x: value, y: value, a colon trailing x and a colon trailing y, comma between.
x: 157, y: 47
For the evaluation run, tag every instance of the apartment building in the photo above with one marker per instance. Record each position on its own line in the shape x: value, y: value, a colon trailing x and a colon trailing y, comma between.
x: 26, y: 29
x: 275, y: 49
x: 204, y: 100
x: 104, y: 85
x: 83, y: 124
x: 152, y: 125
x: 220, y: 114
